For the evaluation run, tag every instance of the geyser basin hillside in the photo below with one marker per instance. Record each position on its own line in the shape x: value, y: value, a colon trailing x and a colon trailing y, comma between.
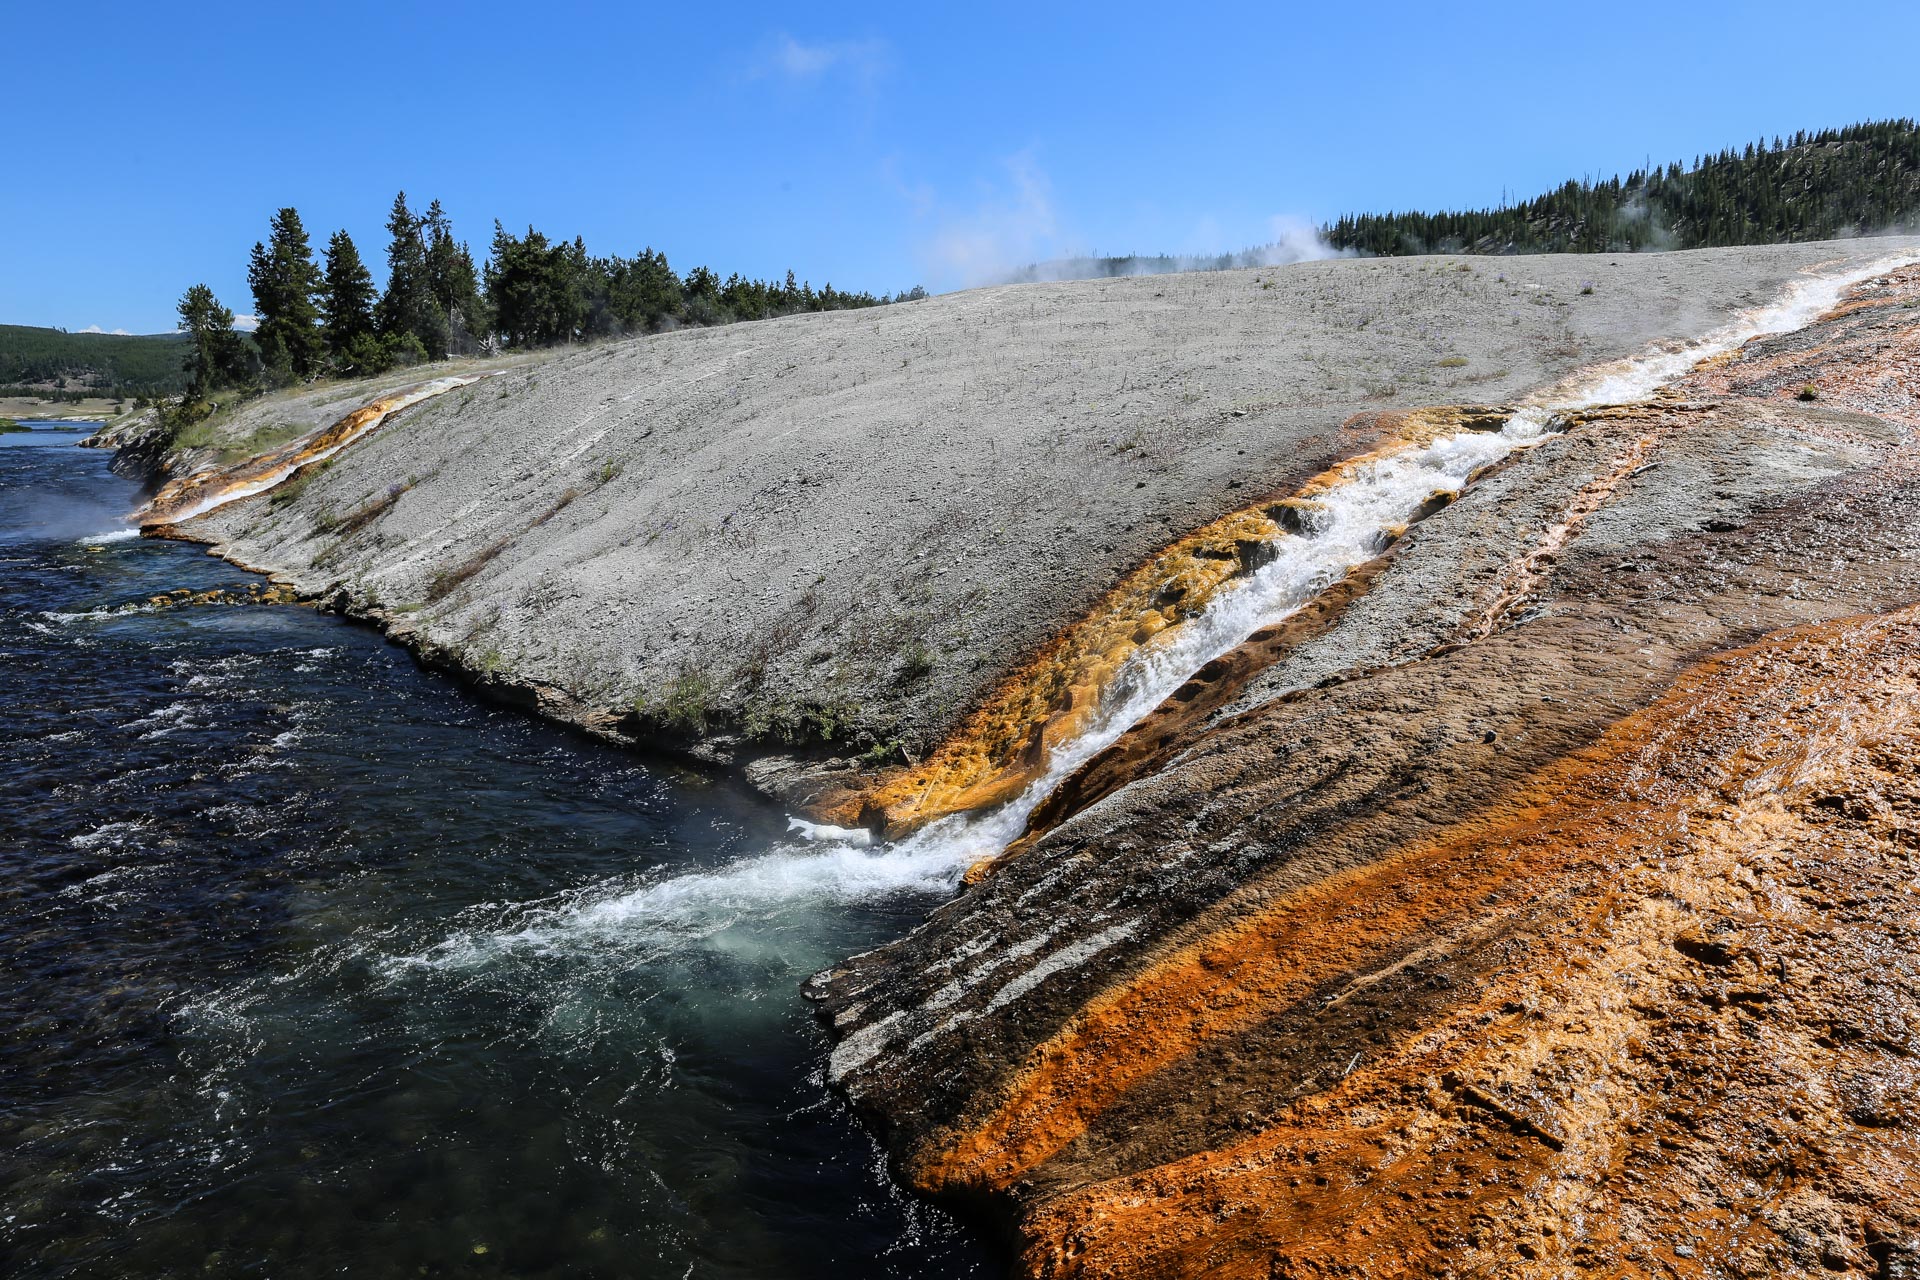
x: 852, y: 526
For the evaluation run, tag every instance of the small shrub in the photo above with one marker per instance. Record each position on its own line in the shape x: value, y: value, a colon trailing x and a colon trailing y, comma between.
x: 883, y: 753
x: 365, y: 514
x: 1809, y: 392
x: 916, y: 663
x: 560, y: 504
x: 1454, y: 362
x: 688, y: 702
x: 445, y: 582
x: 366, y: 355
x: 289, y: 491
x: 404, y: 351
x: 827, y: 721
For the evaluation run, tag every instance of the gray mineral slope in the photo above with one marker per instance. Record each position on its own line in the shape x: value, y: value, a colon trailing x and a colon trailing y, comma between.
x: 849, y: 526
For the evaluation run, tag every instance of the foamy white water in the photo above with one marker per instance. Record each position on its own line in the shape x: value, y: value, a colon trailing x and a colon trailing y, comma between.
x: 670, y: 915
x: 1354, y: 525
x: 1637, y: 377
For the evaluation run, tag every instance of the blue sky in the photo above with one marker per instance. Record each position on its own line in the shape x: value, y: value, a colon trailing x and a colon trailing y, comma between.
x: 875, y: 146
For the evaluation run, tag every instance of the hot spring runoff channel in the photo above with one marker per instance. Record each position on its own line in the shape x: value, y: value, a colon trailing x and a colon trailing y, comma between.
x: 315, y: 965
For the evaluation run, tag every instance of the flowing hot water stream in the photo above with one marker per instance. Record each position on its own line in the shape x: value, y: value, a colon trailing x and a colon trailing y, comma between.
x: 1353, y: 523
x: 318, y: 966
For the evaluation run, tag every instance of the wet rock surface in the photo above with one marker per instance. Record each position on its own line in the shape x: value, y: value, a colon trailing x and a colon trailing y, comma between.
x: 1542, y: 900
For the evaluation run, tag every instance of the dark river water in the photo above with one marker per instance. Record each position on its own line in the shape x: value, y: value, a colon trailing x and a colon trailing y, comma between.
x: 310, y: 964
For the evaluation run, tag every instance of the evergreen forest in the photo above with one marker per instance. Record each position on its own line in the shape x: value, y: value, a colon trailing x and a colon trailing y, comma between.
x: 1860, y: 180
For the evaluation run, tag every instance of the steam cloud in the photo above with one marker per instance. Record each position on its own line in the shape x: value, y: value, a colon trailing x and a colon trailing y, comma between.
x: 1015, y: 236
x: 1294, y: 240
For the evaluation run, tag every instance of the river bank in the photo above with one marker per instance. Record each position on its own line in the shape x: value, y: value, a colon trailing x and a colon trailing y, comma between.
x: 37, y: 408
x: 317, y: 966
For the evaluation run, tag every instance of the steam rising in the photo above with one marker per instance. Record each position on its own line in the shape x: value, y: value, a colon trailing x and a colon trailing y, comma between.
x: 1016, y: 236
x: 1295, y: 240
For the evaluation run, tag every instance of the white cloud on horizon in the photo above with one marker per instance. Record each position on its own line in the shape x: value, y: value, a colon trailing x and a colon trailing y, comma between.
x: 94, y: 328
x: 798, y: 60
x: 246, y: 322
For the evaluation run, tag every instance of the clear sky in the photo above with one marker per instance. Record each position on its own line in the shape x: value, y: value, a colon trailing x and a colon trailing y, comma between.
x: 873, y: 146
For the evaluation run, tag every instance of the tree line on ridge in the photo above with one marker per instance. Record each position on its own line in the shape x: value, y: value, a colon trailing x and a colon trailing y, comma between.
x: 326, y: 318
x: 1854, y: 181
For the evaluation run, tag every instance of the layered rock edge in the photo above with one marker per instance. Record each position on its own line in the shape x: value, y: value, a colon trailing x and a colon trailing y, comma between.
x: 1548, y: 902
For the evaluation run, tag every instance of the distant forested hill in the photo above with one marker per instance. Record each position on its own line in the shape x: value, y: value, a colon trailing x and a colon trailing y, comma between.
x: 1840, y: 182
x: 53, y: 360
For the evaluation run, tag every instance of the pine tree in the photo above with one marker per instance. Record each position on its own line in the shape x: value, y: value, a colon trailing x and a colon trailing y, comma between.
x: 453, y: 283
x: 285, y: 282
x: 217, y: 357
x: 535, y: 288
x: 346, y: 303
x: 583, y: 291
x: 513, y: 286
x: 408, y: 314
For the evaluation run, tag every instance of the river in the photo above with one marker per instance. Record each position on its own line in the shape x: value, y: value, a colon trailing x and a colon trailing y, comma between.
x: 315, y: 964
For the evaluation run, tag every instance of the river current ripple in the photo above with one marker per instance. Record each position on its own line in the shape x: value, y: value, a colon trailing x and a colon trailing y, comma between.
x: 313, y: 965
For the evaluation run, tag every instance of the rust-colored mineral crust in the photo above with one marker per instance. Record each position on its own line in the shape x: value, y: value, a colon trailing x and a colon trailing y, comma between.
x: 1543, y: 900
x: 1679, y: 1041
